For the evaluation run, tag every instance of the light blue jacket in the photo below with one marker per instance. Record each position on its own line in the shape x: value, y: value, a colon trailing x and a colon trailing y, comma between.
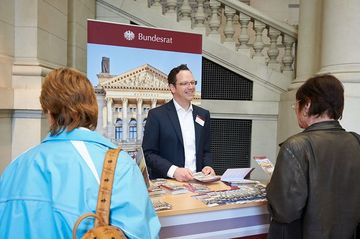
x: 45, y: 190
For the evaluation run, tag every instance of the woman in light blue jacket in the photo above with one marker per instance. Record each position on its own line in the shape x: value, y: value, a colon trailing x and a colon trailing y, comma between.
x: 45, y: 189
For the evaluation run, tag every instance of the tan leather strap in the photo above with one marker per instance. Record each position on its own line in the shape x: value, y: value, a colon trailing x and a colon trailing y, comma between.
x: 106, y: 184
x: 82, y: 217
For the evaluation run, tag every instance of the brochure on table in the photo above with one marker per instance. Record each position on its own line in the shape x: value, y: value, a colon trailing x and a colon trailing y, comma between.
x: 265, y: 164
x: 236, y: 175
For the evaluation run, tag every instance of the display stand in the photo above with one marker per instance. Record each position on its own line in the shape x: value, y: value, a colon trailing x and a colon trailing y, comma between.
x: 191, y: 218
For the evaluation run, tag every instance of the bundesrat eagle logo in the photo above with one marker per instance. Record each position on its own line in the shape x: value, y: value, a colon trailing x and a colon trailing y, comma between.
x: 129, y: 35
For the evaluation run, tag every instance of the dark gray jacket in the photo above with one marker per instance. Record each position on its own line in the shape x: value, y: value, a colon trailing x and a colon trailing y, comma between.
x: 314, y: 191
x: 163, y: 143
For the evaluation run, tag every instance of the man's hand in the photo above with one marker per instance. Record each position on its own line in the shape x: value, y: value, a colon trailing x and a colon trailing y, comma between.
x: 183, y: 174
x: 208, y: 170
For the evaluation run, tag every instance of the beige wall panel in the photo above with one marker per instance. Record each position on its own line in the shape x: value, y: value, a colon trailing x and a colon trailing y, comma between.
x: 82, y: 59
x: 293, y: 14
x: 6, y: 98
x: 80, y: 32
x: 61, y: 5
x: 26, y: 134
x: 236, y: 109
x: 19, y: 131
x: 7, y: 50
x: 5, y: 71
x: 287, y: 122
x: 90, y: 5
x: 26, y: 43
x: 351, y: 113
x: 79, y: 12
x: 277, y: 9
x: 27, y: 80
x: 106, y: 14
x: 7, y: 12
x: 77, y: 50
x: 52, y: 20
x: 57, y: 56
x: 263, y: 142
x: 261, y: 93
x: 27, y: 99
x: 7, y: 37
x: 82, y: 13
x: 77, y: 58
x: 26, y: 13
x: 5, y: 138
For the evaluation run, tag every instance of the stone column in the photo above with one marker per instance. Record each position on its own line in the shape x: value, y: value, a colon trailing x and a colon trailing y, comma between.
x: 341, y: 39
x: 110, y: 123
x: 309, y: 43
x: 339, y: 53
x: 329, y: 35
x: 109, y: 102
x: 125, y: 119
x: 102, y: 114
x: 307, y: 64
x: 139, y: 119
x: 153, y: 103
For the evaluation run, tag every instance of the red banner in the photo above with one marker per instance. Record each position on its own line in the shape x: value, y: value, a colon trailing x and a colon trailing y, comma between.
x: 143, y: 37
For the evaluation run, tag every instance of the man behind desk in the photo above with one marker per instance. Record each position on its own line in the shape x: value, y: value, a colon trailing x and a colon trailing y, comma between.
x: 176, y: 140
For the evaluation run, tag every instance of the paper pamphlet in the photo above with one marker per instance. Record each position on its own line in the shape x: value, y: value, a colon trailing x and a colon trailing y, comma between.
x: 140, y: 161
x: 235, y: 174
x: 265, y: 164
x: 199, y: 176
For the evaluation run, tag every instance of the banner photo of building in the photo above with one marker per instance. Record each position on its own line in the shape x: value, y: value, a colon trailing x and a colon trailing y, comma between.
x: 128, y: 66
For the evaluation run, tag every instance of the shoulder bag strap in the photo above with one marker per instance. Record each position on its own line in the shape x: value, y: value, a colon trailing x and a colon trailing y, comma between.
x: 106, y: 184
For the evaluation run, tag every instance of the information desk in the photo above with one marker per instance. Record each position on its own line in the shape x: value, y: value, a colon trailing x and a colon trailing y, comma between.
x: 191, y: 218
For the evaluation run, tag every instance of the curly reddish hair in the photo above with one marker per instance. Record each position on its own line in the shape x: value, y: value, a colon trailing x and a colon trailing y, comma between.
x: 69, y: 97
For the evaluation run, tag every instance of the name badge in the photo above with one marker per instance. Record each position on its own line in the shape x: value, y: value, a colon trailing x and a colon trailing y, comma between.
x: 199, y: 120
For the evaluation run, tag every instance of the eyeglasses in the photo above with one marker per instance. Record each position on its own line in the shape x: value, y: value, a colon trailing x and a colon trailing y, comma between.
x: 293, y: 106
x: 188, y: 83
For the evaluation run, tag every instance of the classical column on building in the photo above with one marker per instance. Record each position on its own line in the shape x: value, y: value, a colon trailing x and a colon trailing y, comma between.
x: 139, y: 119
x: 329, y: 35
x: 103, y: 116
x: 125, y: 119
x: 109, y: 102
x: 309, y: 41
x: 153, y: 103
x: 340, y: 39
x: 110, y: 124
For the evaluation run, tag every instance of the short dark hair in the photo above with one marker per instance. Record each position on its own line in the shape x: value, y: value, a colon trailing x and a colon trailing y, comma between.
x: 70, y: 98
x: 172, y: 75
x: 326, y: 94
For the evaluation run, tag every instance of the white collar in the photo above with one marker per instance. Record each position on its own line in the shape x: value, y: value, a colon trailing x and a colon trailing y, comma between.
x: 178, y: 107
x: 83, y: 128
